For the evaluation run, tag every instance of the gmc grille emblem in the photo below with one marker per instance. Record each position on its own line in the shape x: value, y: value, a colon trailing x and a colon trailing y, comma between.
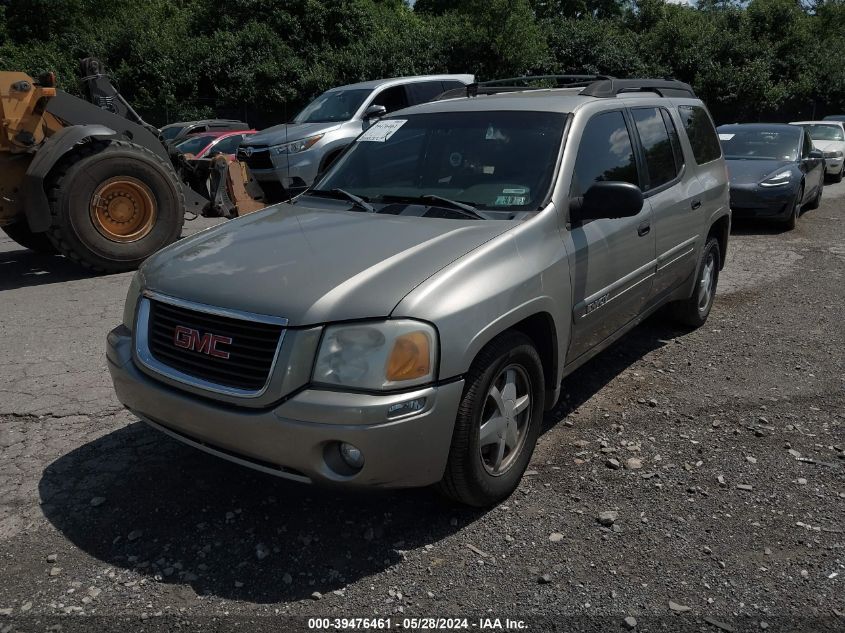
x: 189, y: 338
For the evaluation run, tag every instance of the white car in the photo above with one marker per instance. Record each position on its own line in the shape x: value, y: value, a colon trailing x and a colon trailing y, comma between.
x: 828, y: 137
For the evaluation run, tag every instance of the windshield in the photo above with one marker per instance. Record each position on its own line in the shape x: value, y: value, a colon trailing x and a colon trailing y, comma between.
x: 821, y: 132
x: 228, y: 145
x: 495, y: 161
x: 759, y: 144
x: 194, y: 144
x: 171, y: 132
x: 333, y: 106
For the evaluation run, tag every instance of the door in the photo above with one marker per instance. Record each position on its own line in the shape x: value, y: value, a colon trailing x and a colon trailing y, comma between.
x: 611, y: 261
x: 674, y: 194
x: 393, y: 98
x: 813, y: 169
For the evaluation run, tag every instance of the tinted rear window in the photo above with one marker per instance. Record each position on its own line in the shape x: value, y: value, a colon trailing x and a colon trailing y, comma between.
x: 659, y: 155
x: 701, y: 133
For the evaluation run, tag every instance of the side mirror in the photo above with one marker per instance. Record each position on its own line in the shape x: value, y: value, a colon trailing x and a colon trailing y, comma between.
x: 816, y: 154
x: 607, y: 200
x: 374, y: 112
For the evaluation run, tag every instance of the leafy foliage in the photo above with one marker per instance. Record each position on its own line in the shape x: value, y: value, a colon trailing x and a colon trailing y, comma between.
x: 263, y: 59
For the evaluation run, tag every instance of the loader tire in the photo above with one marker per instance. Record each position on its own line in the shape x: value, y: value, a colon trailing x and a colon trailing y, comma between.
x: 113, y: 204
x: 39, y: 242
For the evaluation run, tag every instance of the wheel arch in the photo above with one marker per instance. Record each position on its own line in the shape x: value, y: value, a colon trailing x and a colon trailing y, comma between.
x: 46, y: 158
x: 540, y: 327
x: 720, y: 229
x: 329, y: 159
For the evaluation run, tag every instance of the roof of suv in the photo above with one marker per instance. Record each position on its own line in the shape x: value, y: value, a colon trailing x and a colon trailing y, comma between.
x: 578, y: 91
x: 562, y: 100
x: 771, y: 127
x: 378, y: 83
x: 203, y: 122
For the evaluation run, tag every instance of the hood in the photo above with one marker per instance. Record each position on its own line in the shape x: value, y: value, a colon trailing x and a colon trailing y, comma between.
x: 287, y: 132
x: 829, y: 146
x: 748, y: 172
x: 314, y: 263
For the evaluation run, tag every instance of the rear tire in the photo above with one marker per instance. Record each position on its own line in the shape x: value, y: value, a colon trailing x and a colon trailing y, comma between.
x: 693, y: 312
x: 20, y: 233
x: 114, y: 204
x: 473, y: 475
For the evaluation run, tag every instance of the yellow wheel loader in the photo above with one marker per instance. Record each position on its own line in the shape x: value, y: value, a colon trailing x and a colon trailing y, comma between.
x: 92, y: 181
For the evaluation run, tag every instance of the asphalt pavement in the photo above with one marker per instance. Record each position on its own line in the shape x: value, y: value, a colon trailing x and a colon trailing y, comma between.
x: 685, y: 481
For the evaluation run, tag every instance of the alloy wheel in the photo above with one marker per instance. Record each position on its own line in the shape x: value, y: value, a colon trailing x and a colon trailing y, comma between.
x: 707, y: 283
x: 505, y: 419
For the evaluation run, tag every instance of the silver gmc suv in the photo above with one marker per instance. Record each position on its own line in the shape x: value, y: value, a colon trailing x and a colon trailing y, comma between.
x: 408, y: 319
x: 287, y: 158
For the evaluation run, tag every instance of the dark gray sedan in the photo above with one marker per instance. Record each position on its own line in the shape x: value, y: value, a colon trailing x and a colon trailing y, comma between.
x: 774, y: 171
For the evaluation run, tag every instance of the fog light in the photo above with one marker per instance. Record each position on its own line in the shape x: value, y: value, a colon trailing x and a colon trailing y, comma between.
x: 351, y: 455
x: 404, y: 408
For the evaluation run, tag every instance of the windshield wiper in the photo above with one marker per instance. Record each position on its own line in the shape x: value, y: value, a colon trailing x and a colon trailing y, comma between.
x: 356, y: 201
x: 463, y: 208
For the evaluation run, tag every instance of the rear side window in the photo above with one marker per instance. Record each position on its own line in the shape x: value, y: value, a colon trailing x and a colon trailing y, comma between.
x: 451, y: 84
x: 654, y: 136
x: 673, y: 135
x: 424, y: 91
x: 605, y: 154
x: 701, y: 133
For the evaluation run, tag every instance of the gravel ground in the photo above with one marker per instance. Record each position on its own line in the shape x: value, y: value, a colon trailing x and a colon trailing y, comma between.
x: 688, y: 480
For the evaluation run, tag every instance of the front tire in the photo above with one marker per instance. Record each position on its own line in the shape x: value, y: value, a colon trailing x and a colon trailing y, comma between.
x: 20, y: 233
x: 693, y: 312
x: 792, y: 220
x: 114, y: 204
x: 818, y: 199
x: 498, y: 422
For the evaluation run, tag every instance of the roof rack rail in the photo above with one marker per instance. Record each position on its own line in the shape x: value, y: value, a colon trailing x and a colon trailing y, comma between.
x: 612, y: 87
x: 600, y: 86
x: 561, y: 81
x: 516, y: 84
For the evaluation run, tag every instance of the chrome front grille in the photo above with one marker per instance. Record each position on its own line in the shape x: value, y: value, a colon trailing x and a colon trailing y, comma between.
x: 210, y: 348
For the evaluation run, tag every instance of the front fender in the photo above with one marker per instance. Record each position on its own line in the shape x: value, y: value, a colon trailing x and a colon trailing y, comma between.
x: 520, y: 274
x: 37, y: 204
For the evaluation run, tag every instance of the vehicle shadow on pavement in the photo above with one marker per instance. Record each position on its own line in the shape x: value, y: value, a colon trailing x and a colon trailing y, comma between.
x: 148, y: 506
x: 758, y: 227
x: 589, y: 379
x: 24, y: 268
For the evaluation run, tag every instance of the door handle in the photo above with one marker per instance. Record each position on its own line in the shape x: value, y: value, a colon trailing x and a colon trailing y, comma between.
x: 695, y: 204
x: 643, y: 229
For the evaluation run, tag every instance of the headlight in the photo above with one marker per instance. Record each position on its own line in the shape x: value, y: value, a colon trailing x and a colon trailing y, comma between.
x: 294, y: 147
x: 777, y: 180
x: 132, y: 296
x: 833, y: 154
x: 379, y: 355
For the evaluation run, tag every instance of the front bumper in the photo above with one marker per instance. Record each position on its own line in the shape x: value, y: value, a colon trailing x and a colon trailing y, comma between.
x: 754, y: 201
x: 291, y: 171
x: 833, y: 165
x: 295, y: 439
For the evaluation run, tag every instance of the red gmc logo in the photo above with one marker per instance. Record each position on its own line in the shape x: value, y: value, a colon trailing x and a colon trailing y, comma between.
x: 189, y: 338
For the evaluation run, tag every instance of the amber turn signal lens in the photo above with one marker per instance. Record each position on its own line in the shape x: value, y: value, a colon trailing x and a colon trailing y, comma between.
x: 410, y: 357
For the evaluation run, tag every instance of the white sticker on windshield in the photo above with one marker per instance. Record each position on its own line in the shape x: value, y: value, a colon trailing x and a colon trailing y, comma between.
x: 726, y: 137
x: 382, y: 130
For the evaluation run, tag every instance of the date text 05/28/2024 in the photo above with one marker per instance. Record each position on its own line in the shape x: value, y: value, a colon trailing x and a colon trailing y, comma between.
x: 416, y: 624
